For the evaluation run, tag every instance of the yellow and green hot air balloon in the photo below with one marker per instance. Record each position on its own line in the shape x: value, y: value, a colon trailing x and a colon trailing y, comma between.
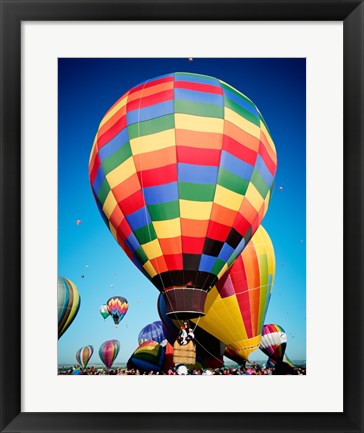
x: 182, y: 168
x: 68, y: 304
x: 236, y: 307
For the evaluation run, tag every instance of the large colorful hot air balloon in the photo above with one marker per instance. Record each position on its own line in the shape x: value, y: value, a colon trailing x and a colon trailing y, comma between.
x: 182, y: 168
x: 109, y: 351
x: 149, y: 356
x: 273, y: 342
x: 117, y: 306
x: 104, y: 311
x: 154, y: 331
x: 83, y: 355
x: 68, y: 304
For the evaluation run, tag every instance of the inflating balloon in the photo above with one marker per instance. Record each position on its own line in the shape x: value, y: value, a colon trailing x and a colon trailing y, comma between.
x: 273, y: 342
x: 154, y: 331
x: 109, y: 351
x: 104, y: 311
x: 117, y: 306
x: 83, y: 355
x: 182, y: 168
x: 272, y: 363
x: 68, y: 304
x: 149, y: 356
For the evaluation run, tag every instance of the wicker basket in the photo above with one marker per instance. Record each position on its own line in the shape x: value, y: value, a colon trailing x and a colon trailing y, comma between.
x: 184, y: 354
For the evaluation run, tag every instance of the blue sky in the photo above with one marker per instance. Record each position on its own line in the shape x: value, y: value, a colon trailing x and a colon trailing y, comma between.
x: 87, y: 89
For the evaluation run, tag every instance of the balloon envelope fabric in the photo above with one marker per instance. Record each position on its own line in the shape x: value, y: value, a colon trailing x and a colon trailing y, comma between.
x: 154, y: 331
x: 182, y: 168
x: 149, y: 356
x: 273, y: 342
x: 83, y: 355
x: 236, y: 307
x: 109, y: 351
x: 68, y: 304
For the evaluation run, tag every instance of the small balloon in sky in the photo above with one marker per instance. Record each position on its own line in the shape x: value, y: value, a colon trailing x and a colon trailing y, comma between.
x: 78, y: 222
x: 190, y: 59
x: 82, y: 276
x: 281, y: 188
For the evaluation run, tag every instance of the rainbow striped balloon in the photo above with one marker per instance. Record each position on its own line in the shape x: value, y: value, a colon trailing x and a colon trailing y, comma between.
x: 83, y: 355
x: 182, y: 168
x: 273, y: 342
x: 149, y: 356
x: 69, y: 302
x: 109, y: 351
x: 117, y: 307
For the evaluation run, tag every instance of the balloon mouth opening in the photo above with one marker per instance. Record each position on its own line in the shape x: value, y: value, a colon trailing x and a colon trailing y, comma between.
x: 185, y: 302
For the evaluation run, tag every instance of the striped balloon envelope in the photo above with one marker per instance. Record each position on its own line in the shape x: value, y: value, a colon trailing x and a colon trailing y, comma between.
x: 83, y: 355
x: 236, y: 307
x: 271, y: 363
x: 69, y: 301
x: 182, y: 168
x: 108, y: 352
x: 149, y: 356
x: 273, y: 342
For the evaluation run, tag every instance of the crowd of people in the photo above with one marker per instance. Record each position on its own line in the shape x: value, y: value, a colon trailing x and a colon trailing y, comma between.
x: 254, y: 370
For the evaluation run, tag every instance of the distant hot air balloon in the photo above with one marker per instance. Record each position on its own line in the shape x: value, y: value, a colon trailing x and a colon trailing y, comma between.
x: 182, y: 168
x: 190, y: 59
x: 273, y: 342
x: 109, y: 351
x: 117, y: 306
x: 68, y: 304
x: 154, y: 331
x: 78, y: 222
x: 281, y: 188
x: 83, y: 355
x: 149, y: 356
x: 104, y: 311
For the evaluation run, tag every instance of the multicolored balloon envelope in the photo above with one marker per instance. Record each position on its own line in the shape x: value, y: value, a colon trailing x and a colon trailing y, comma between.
x: 182, y: 168
x: 154, y: 331
x: 271, y: 363
x: 68, y: 304
x: 83, y: 355
x: 149, y: 356
x: 117, y: 307
x: 104, y: 311
x: 273, y: 342
x: 236, y: 307
x: 109, y: 351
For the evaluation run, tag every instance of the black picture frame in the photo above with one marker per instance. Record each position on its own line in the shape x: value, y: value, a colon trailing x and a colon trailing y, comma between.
x: 13, y: 12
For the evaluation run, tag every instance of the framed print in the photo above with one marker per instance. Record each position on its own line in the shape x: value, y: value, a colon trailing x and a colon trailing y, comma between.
x: 191, y: 175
